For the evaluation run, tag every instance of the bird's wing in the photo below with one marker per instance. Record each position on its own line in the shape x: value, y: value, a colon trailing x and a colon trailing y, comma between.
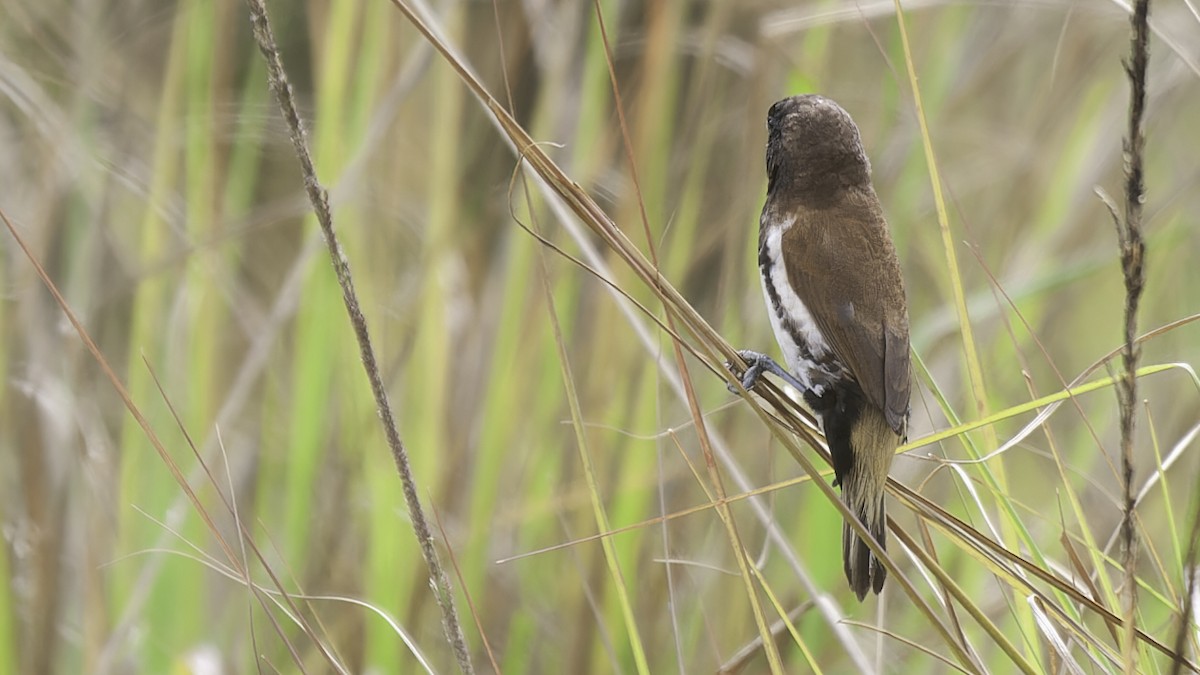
x: 862, y: 316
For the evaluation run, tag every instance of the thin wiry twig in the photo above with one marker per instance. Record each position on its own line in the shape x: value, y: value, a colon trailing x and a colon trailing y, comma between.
x: 1129, y: 236
x: 341, y: 265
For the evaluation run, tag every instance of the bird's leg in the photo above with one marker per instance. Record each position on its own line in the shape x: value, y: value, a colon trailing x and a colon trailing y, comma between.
x: 759, y: 364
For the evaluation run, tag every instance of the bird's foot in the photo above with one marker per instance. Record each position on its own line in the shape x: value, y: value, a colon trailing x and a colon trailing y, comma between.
x: 758, y: 364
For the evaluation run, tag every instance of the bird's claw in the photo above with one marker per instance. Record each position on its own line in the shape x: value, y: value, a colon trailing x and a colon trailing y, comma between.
x: 758, y: 363
x: 754, y: 368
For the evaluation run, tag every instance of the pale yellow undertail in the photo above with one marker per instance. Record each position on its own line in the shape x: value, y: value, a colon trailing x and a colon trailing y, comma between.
x: 874, y: 444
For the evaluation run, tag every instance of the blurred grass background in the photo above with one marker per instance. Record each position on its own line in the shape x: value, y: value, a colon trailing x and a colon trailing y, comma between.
x: 143, y: 158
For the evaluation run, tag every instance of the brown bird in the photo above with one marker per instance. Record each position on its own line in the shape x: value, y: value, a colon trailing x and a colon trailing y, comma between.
x: 836, y: 301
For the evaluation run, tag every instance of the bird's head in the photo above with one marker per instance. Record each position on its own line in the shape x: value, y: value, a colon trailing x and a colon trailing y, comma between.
x: 813, y: 145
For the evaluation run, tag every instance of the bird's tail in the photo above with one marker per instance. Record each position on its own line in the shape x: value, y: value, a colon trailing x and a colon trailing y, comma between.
x: 874, y: 445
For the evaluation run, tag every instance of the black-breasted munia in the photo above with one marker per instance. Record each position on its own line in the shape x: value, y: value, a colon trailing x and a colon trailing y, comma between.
x: 836, y: 301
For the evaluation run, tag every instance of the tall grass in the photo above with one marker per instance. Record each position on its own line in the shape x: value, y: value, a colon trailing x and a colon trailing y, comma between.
x: 150, y: 173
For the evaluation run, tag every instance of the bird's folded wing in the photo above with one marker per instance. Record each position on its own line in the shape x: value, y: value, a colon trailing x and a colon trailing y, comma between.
x: 848, y: 277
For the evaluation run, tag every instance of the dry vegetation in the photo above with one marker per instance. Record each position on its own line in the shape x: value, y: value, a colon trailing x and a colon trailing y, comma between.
x: 146, y: 165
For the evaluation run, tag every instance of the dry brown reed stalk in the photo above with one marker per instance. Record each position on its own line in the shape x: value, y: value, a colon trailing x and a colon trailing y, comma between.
x: 317, y: 194
x: 1129, y: 236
